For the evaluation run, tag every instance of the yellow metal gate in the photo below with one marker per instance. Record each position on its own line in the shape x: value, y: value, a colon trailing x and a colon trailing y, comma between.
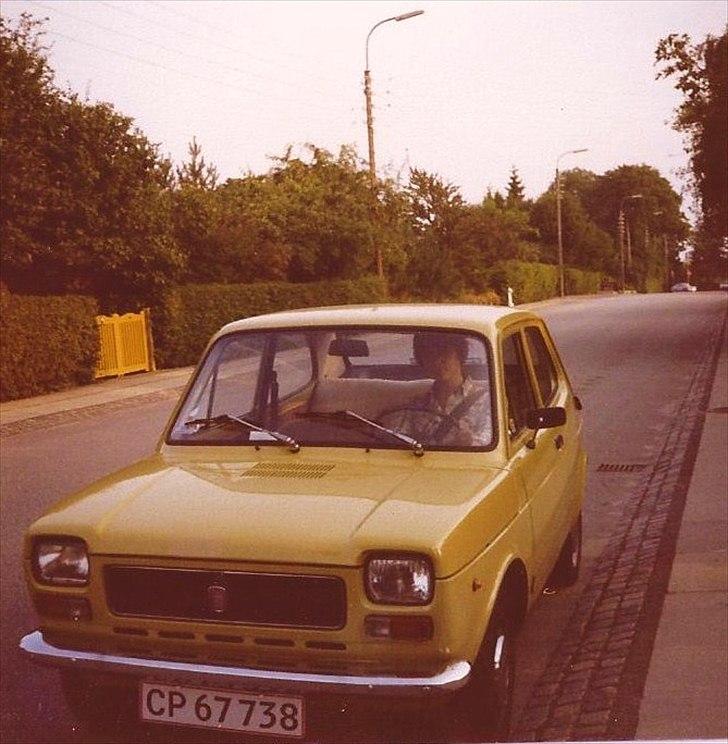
x: 126, y: 344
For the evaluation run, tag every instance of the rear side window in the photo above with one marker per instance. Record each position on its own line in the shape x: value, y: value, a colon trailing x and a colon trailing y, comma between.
x: 519, y: 392
x: 543, y: 364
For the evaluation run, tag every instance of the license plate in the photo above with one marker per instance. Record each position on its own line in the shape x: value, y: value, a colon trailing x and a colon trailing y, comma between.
x: 222, y: 709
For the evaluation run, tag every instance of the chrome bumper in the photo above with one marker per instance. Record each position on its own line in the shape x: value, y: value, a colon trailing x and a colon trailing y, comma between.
x: 454, y: 676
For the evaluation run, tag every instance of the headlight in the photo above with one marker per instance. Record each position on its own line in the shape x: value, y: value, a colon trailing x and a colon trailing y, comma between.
x: 399, y: 579
x: 62, y: 561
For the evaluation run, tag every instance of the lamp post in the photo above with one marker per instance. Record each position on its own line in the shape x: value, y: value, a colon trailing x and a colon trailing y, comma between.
x: 370, y: 123
x: 665, y: 257
x: 368, y: 87
x: 558, y: 215
x: 620, y: 231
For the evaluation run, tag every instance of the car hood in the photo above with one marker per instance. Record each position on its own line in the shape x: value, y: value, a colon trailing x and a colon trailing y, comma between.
x: 289, y: 511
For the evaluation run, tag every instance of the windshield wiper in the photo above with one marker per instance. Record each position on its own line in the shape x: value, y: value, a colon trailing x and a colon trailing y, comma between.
x: 225, y: 418
x: 417, y: 447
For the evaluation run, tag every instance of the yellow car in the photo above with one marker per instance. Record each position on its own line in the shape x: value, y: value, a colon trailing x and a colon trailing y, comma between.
x: 356, y: 501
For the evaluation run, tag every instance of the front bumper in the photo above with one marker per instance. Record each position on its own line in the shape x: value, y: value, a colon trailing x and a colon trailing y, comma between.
x: 454, y: 676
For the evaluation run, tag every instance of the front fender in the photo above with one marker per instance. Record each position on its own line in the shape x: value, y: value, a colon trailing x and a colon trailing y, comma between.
x: 468, y: 597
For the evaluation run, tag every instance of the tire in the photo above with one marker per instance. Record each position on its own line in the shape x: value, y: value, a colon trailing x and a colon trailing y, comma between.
x: 487, y: 701
x: 568, y: 565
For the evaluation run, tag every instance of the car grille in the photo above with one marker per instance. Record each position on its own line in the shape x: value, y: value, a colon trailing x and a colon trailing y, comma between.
x: 227, y: 596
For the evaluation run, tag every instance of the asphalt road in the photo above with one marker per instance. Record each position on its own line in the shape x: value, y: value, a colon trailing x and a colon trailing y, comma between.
x: 631, y: 360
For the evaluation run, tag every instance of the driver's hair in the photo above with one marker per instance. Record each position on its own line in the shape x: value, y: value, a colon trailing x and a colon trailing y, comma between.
x: 427, y: 343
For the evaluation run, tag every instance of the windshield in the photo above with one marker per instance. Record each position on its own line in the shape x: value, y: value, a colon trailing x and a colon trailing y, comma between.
x: 354, y: 387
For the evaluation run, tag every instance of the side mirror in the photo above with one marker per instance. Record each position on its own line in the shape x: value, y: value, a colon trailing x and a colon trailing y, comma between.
x: 546, y: 418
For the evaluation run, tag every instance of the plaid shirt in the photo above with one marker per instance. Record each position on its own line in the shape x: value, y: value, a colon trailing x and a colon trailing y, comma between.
x: 430, y: 423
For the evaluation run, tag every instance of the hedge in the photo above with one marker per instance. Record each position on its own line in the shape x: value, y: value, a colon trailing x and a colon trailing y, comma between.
x: 48, y: 343
x: 538, y: 281
x: 580, y: 281
x: 188, y: 316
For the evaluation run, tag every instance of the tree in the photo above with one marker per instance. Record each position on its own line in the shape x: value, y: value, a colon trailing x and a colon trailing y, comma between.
x: 656, y: 214
x: 487, y: 233
x: 325, y: 208
x: 248, y: 243
x: 435, y: 208
x: 84, y: 206
x: 701, y: 75
x: 515, y: 194
x: 586, y: 245
x: 196, y: 173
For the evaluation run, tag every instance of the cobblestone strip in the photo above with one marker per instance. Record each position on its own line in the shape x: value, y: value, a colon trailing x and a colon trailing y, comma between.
x: 78, y: 414
x: 592, y: 685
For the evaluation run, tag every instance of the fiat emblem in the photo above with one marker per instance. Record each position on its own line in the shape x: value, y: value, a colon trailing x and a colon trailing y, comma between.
x: 216, y: 598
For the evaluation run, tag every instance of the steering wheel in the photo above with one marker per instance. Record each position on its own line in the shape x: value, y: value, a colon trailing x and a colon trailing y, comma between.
x: 426, y: 418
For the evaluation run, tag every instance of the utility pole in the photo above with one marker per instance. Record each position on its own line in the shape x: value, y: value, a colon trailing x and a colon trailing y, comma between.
x: 667, y: 262
x: 370, y: 120
x: 620, y: 232
x: 621, y: 225
x: 558, y: 216
x: 629, y: 244
x: 372, y: 165
x: 370, y: 126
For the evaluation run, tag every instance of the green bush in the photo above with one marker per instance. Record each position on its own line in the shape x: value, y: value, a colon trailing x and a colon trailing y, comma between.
x: 580, y: 281
x: 189, y: 315
x: 654, y: 282
x: 530, y: 281
x: 539, y: 281
x: 48, y: 343
x: 487, y: 297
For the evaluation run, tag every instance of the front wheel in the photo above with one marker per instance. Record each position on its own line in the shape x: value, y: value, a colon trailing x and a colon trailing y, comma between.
x: 568, y: 565
x: 487, y: 701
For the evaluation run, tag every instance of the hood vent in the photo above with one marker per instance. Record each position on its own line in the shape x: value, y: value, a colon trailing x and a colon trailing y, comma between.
x: 287, y: 470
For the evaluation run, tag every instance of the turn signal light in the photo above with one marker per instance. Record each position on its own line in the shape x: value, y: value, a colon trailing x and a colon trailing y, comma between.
x: 399, y: 627
x: 64, y: 608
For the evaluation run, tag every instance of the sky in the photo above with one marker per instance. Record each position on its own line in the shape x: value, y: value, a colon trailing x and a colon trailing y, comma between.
x: 467, y: 90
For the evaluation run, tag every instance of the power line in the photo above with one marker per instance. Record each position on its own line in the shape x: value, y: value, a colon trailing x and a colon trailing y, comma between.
x: 237, y: 51
x: 218, y: 29
x: 185, y: 55
x: 157, y: 65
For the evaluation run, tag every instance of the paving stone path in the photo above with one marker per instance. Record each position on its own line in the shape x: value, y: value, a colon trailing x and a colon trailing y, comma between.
x: 592, y: 685
x: 78, y: 414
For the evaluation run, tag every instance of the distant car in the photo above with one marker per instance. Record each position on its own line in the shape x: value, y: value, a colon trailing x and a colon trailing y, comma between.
x: 316, y: 520
x: 683, y: 287
x: 723, y: 286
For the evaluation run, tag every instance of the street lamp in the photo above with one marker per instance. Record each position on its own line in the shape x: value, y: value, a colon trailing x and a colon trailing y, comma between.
x: 368, y: 86
x: 558, y: 215
x: 620, y: 228
x: 370, y: 123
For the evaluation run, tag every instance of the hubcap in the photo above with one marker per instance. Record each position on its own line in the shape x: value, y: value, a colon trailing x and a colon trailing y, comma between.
x: 502, y: 679
x: 576, y: 549
x: 498, y: 651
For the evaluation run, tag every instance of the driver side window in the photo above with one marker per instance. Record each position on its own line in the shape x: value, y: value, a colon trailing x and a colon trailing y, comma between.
x: 519, y: 393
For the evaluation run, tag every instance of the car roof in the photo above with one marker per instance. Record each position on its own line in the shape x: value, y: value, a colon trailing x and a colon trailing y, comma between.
x: 474, y: 317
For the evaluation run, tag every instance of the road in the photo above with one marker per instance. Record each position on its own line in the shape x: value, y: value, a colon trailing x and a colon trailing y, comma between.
x: 640, y: 365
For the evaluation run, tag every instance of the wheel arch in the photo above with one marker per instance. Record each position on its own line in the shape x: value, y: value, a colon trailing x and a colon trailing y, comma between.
x: 513, y: 589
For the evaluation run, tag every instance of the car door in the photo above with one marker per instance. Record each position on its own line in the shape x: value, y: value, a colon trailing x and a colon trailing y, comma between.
x: 535, y: 460
x: 553, y: 389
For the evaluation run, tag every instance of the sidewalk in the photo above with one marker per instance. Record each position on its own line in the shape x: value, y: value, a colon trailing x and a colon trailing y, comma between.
x: 687, y: 684
x: 98, y: 393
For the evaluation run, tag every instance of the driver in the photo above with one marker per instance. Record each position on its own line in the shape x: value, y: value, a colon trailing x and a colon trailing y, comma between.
x: 456, y: 410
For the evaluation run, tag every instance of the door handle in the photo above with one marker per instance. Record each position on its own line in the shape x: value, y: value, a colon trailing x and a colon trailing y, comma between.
x: 558, y: 442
